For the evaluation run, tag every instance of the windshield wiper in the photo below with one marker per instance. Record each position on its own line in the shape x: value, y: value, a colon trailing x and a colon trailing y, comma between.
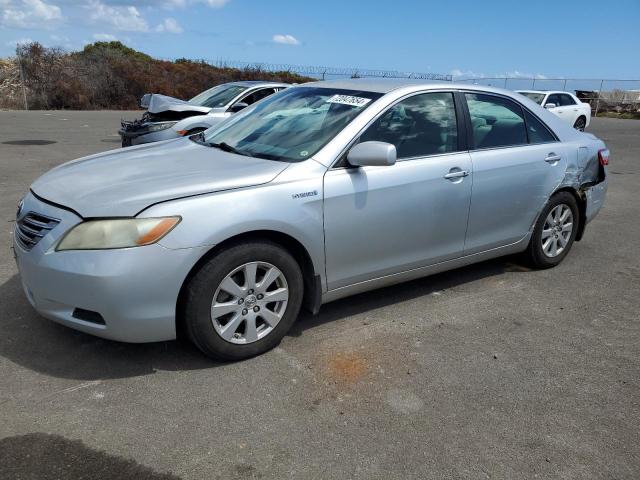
x: 225, y: 147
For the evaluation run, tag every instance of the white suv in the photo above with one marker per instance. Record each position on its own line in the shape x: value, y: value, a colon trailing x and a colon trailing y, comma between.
x: 564, y: 104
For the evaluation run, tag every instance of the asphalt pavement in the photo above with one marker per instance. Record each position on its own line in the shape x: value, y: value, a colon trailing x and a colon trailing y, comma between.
x: 489, y: 371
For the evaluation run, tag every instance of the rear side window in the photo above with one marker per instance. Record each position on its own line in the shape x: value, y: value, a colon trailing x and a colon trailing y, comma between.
x: 566, y: 100
x: 495, y: 121
x: 424, y: 124
x: 538, y: 133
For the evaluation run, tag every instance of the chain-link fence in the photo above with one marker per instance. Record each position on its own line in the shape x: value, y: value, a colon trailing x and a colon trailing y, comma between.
x: 606, y: 96
x: 325, y: 73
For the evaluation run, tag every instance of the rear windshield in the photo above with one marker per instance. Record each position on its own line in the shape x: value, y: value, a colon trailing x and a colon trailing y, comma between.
x: 536, y: 97
x: 218, y: 96
x: 291, y: 125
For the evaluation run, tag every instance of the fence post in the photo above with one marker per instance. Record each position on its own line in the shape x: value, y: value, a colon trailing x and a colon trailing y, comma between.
x: 505, y: 82
x: 564, y: 86
x: 598, y: 99
x: 24, y: 91
x: 533, y: 84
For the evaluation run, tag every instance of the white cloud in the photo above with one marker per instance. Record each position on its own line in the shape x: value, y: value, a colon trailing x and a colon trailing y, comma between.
x: 29, y: 14
x: 15, y: 43
x: 457, y: 73
x: 216, y: 3
x: 104, y: 37
x: 126, y: 18
x: 285, y: 39
x: 169, y: 25
x: 171, y: 4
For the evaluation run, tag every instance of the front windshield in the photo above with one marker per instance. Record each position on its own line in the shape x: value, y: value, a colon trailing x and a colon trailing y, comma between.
x: 291, y: 125
x: 535, y: 96
x: 217, y: 96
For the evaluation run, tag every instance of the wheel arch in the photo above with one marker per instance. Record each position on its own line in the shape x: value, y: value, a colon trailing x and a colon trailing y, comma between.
x: 583, y: 116
x: 312, y: 296
x: 582, y: 208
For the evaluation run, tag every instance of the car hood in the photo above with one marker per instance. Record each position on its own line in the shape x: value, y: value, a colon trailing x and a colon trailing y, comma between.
x: 124, y: 182
x: 157, y: 103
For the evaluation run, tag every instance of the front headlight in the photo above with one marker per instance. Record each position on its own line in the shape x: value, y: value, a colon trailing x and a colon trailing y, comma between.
x: 156, y: 127
x: 117, y: 233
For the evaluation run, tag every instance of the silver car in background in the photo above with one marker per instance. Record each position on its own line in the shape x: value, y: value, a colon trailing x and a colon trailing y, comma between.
x: 169, y: 117
x: 323, y: 191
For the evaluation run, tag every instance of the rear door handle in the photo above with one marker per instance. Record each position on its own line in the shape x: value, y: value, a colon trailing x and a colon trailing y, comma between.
x: 552, y: 158
x: 456, y: 174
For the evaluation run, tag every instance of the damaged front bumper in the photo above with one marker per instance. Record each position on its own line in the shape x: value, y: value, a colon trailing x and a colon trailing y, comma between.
x: 137, y: 132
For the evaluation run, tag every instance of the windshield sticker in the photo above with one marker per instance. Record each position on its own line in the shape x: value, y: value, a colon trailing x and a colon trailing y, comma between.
x: 349, y: 100
x: 304, y: 153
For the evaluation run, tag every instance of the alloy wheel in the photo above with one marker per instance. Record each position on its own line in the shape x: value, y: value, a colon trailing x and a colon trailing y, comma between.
x: 557, y: 230
x: 249, y: 302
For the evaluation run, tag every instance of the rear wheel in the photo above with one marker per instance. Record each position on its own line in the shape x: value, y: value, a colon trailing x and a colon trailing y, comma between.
x: 580, y: 124
x: 243, y: 301
x: 554, y: 232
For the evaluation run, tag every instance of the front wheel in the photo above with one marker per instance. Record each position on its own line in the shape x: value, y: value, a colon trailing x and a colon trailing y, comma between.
x: 554, y: 232
x: 243, y: 301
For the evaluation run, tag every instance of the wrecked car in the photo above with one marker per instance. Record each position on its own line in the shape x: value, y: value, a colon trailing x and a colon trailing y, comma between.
x: 168, y: 117
x: 320, y: 192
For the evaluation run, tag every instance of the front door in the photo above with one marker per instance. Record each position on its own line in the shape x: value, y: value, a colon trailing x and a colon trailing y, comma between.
x: 385, y: 220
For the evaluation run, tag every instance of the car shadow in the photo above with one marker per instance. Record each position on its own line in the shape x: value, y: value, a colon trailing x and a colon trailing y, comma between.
x: 45, y: 456
x: 46, y: 347
x: 406, y: 291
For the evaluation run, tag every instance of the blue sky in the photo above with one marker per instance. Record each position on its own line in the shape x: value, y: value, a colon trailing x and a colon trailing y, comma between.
x: 564, y: 38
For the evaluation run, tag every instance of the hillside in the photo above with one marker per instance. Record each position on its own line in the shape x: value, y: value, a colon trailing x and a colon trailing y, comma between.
x: 108, y: 75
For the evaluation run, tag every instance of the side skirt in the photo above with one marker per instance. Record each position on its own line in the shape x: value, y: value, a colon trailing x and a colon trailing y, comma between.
x: 407, y: 275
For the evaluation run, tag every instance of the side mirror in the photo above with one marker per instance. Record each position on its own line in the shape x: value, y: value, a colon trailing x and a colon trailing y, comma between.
x: 549, y: 105
x: 372, y: 154
x: 236, y: 107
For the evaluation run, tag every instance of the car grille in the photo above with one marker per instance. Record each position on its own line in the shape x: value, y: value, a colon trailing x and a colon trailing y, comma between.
x: 32, y: 227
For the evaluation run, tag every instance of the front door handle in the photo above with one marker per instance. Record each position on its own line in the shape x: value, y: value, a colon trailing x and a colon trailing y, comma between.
x: 456, y: 174
x: 552, y: 158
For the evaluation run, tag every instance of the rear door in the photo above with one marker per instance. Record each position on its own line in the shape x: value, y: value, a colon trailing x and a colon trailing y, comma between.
x: 384, y: 220
x: 569, y: 108
x: 517, y: 163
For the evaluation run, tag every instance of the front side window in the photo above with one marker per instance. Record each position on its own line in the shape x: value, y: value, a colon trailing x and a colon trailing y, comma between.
x: 291, y: 126
x: 566, y: 100
x: 421, y: 125
x: 217, y: 96
x: 495, y: 121
x: 257, y: 95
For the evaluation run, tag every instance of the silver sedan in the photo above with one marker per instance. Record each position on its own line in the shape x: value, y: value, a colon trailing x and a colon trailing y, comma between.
x: 318, y: 192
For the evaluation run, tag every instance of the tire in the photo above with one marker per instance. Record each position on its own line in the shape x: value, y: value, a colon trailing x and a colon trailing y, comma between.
x: 540, y: 253
x: 580, y: 124
x: 216, y: 289
x: 194, y: 131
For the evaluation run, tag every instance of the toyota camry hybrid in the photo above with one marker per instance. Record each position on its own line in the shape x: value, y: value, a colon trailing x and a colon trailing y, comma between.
x: 318, y: 192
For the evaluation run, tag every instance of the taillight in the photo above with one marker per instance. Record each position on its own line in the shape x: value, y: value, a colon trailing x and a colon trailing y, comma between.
x: 603, y: 156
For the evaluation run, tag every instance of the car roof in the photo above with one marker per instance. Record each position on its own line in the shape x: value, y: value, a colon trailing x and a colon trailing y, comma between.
x: 544, y: 91
x: 257, y: 83
x: 386, y: 85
